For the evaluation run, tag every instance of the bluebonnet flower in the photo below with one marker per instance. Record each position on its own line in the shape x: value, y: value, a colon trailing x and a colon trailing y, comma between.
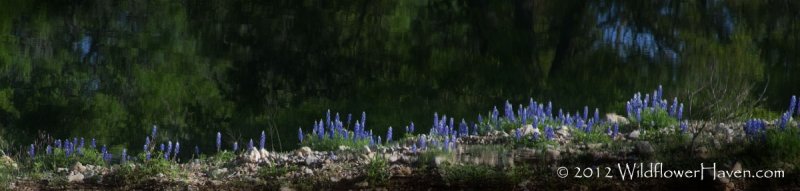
x: 153, y: 132
x: 328, y: 118
x: 32, y: 151
x: 250, y: 145
x: 463, y: 128
x: 219, y: 141
x: 371, y: 141
x: 80, y: 151
x: 517, y: 134
x: 549, y: 134
x: 585, y: 112
x: 49, y: 150
x: 124, y: 156
x: 389, y: 135
x: 792, y: 104
x: 104, y: 152
x: 169, y: 149
x: 784, y: 120
x: 684, y: 127
x: 446, y: 144
x: 475, y: 130
x: 616, y: 130
x: 480, y: 118
x: 177, y: 148
x: 67, y: 148
x: 509, y: 111
x: 147, y: 155
x: 379, y: 140
x: 421, y: 142
x: 414, y: 148
x: 75, y: 141
x: 363, y: 119
x: 549, y: 108
x: 58, y: 143
x: 754, y: 128
x: 535, y: 136
x: 300, y: 134
x: 235, y: 146
x: 263, y: 140
x: 107, y: 157
x: 146, y: 143
x: 411, y: 127
x: 639, y: 115
x: 680, y: 112
x: 589, y: 126
x: 81, y: 142
x: 495, y: 114
x: 162, y: 148
x: 196, y: 150
x: 349, y: 119
x: 597, y: 114
x: 94, y: 144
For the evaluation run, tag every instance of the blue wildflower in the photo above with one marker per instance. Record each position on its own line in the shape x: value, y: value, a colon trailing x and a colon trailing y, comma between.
x: 94, y: 144
x: 235, y: 146
x: 219, y: 141
x: 680, y: 112
x: 250, y: 145
x: 177, y: 148
x: 49, y: 150
x: 411, y: 128
x: 616, y: 130
x: 414, y: 148
x: 509, y: 111
x: 263, y: 140
x: 147, y: 155
x: 389, y: 135
x: 32, y: 151
x: 161, y: 148
x: 684, y: 127
x: 124, y: 156
x: 58, y: 143
x: 792, y: 104
x: 153, y: 132
x: 585, y: 112
x: 597, y: 114
x: 517, y: 134
x: 300, y: 134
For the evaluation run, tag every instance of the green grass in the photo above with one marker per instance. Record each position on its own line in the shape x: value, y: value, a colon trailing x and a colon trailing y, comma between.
x: 377, y: 171
x: 782, y: 146
x: 655, y: 119
x: 58, y: 159
x: 272, y: 172
x: 136, y: 174
x: 330, y: 144
x: 6, y: 175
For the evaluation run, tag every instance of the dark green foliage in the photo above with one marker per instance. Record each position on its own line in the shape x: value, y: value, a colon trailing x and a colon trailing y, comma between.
x: 782, y: 146
x: 469, y: 175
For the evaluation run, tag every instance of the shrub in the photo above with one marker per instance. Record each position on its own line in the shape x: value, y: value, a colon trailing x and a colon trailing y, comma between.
x: 470, y: 175
x: 377, y: 171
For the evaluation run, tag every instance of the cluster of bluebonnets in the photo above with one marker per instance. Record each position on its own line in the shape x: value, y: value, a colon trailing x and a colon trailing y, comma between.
x: 444, y: 131
x: 756, y: 129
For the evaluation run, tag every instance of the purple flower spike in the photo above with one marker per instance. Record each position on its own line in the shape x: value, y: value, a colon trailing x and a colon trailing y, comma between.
x: 250, y: 145
x: 263, y: 140
x: 389, y: 135
x: 219, y: 141
x: 153, y: 132
x: 32, y: 151
x: 300, y: 134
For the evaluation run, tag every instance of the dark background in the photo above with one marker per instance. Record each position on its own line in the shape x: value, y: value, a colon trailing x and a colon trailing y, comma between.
x: 112, y: 69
